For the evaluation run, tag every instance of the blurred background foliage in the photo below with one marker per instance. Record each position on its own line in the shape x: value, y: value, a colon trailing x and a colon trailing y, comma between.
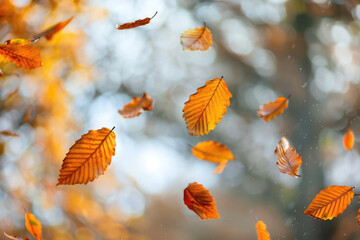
x: 263, y: 48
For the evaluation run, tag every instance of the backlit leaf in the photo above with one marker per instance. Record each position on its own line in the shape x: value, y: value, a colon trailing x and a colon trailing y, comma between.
x: 33, y: 225
x: 14, y: 237
x: 198, y: 199
x: 9, y: 133
x: 135, y: 24
x: 51, y: 31
x: 330, y: 202
x: 261, y: 232
x: 348, y: 139
x: 21, y: 53
x: 88, y: 158
x: 214, y: 152
x: 205, y: 108
x: 268, y: 111
x: 288, y: 160
x: 196, y: 39
x: 137, y: 106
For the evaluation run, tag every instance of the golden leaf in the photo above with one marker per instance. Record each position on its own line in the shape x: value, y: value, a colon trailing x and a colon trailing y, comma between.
x: 33, y: 225
x: 348, y: 139
x: 50, y: 32
x: 330, y: 202
x: 214, y: 152
x: 137, y: 106
x: 20, y: 52
x: 135, y: 24
x: 205, y: 108
x: 196, y: 39
x: 88, y: 158
x: 288, y: 160
x: 268, y: 111
x: 262, y: 234
x: 198, y: 199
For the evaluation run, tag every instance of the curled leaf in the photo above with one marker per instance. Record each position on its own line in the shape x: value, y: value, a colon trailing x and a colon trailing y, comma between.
x: 288, y: 160
x: 51, y: 31
x: 33, y: 225
x: 9, y: 133
x: 268, y: 111
x: 13, y: 237
x: 262, y: 234
x: 205, y: 108
x: 88, y: 158
x: 330, y: 202
x: 348, y: 139
x: 135, y: 24
x: 198, y: 199
x: 20, y: 52
x: 196, y: 39
x: 137, y: 106
x: 213, y: 152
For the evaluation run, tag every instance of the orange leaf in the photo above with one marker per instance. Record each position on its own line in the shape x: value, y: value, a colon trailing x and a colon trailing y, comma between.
x: 137, y: 106
x: 50, y: 32
x: 21, y: 53
x: 262, y: 234
x: 88, y: 158
x: 214, y: 152
x: 33, y: 225
x: 205, y: 108
x: 9, y: 133
x: 288, y: 160
x: 196, y: 39
x: 14, y: 237
x: 198, y: 199
x: 135, y: 24
x: 330, y: 202
x: 268, y: 111
x: 348, y: 139
x: 358, y: 216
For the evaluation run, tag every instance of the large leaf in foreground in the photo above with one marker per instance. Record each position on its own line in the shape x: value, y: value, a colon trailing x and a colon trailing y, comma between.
x: 261, y: 232
x: 330, y: 202
x: 288, y: 160
x: 198, y: 199
x: 196, y: 39
x: 33, y: 225
x: 270, y: 110
x: 206, y: 107
x: 88, y: 158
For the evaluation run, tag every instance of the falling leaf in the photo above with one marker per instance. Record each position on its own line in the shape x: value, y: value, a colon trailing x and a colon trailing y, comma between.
x: 214, y: 152
x: 50, y: 32
x: 196, y: 39
x: 14, y: 237
x: 135, y: 24
x: 137, y: 106
x: 33, y: 225
x: 330, y: 202
x: 358, y: 217
x: 12, y: 93
x: 262, y: 234
x: 27, y: 115
x: 21, y: 53
x: 268, y: 111
x: 205, y: 108
x: 9, y: 133
x: 348, y: 139
x: 18, y: 41
x: 198, y: 199
x: 288, y: 160
x: 88, y: 158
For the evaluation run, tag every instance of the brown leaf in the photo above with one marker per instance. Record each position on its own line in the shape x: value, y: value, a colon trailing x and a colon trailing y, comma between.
x: 288, y: 160
x: 27, y: 115
x: 268, y: 111
x: 198, y: 199
x: 20, y: 52
x: 196, y: 39
x: 14, y: 237
x: 205, y: 108
x: 262, y: 234
x: 88, y: 158
x: 9, y: 133
x: 137, y: 106
x: 358, y: 216
x: 348, y: 139
x: 330, y: 202
x: 33, y: 225
x: 135, y: 24
x: 214, y: 152
x: 51, y: 31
